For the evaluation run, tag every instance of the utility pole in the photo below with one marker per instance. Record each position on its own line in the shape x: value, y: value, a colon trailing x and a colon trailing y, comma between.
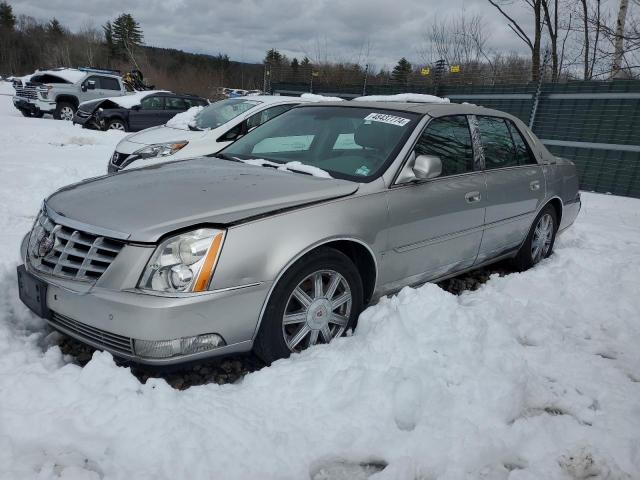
x: 364, y: 86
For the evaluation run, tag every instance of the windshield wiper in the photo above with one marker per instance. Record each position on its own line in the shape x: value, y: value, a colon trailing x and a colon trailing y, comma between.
x: 224, y: 156
x: 193, y: 128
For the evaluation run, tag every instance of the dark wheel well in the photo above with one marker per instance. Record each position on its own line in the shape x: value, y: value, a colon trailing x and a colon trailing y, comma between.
x: 68, y: 99
x: 362, y: 259
x: 557, y: 205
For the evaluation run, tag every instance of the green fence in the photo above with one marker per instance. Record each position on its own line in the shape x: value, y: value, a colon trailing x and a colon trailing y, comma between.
x: 595, y: 124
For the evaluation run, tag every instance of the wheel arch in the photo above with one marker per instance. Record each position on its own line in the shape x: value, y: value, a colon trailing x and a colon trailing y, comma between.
x: 556, y: 202
x: 358, y: 252
x: 69, y: 99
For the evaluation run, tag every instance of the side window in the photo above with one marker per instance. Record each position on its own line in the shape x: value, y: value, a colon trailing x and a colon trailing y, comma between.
x: 522, y: 152
x: 267, y: 114
x: 174, y: 103
x: 450, y: 139
x: 194, y: 102
x: 499, y: 151
x: 152, y: 103
x: 108, y: 83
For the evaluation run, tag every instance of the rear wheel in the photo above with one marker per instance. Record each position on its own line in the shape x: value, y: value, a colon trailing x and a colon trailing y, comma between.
x: 317, y: 300
x: 117, y: 124
x: 64, y: 111
x: 539, y: 242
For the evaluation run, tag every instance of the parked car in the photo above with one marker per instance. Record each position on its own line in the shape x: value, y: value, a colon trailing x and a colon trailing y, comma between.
x: 215, y: 127
x: 281, y: 241
x: 135, y: 112
x: 61, y: 90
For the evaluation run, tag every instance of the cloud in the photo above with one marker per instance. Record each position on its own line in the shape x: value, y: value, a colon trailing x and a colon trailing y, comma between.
x: 377, y: 32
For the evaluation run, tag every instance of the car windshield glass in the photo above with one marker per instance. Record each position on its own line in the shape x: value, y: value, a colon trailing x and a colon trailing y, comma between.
x: 350, y: 143
x: 221, y: 112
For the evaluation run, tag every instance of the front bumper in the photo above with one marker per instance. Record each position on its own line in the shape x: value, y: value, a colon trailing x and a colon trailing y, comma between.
x: 113, y: 320
x: 33, y: 106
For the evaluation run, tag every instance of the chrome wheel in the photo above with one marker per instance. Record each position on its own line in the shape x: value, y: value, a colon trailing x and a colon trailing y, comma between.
x: 317, y: 310
x: 542, y: 238
x: 66, y: 113
x: 117, y: 126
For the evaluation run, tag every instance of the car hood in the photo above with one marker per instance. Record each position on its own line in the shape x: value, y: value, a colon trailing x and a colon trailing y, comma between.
x: 164, y: 134
x: 146, y: 203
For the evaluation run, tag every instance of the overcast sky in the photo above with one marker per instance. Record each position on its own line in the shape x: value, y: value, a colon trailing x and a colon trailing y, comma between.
x: 342, y: 30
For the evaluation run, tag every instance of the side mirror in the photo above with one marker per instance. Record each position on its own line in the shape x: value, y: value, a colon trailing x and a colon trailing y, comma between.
x: 427, y: 166
x: 91, y: 85
x: 83, y: 87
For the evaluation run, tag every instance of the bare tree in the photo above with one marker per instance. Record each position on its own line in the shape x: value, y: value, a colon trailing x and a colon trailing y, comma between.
x: 550, y: 8
x: 619, y: 38
x: 534, y: 45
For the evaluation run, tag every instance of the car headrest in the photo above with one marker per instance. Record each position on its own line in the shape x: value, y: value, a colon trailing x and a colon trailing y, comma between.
x: 372, y: 135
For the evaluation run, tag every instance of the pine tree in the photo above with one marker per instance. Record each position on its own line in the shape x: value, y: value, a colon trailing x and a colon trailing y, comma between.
x: 402, y: 71
x: 273, y: 57
x: 55, y: 28
x: 305, y: 62
x: 7, y: 18
x: 126, y: 36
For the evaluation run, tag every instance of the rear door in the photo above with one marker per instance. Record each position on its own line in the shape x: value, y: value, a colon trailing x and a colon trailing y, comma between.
x: 435, y: 226
x: 515, y: 185
x: 151, y: 109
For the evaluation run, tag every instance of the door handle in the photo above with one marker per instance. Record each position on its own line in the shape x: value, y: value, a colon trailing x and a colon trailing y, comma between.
x: 535, y: 185
x: 472, y: 197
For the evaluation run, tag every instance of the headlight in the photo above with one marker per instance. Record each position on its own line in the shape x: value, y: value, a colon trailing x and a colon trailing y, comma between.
x: 160, y: 149
x: 184, y: 263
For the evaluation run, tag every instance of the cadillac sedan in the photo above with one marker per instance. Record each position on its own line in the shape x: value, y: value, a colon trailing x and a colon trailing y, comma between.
x: 279, y: 242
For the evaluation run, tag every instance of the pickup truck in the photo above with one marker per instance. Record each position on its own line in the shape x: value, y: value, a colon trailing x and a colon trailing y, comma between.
x: 61, y: 90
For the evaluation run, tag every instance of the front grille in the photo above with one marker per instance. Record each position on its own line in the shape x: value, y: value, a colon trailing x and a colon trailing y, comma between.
x: 26, y: 91
x: 106, y: 340
x: 117, y: 159
x: 65, y: 252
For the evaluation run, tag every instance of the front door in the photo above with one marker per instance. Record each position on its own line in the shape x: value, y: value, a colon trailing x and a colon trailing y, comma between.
x: 515, y: 186
x: 151, y: 108
x: 435, y: 226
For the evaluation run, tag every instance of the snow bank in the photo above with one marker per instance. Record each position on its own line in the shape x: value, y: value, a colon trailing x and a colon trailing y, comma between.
x: 289, y: 167
x: 182, y: 120
x: 6, y: 88
x: 131, y: 99
x: 403, y: 97
x: 312, y: 97
x: 533, y: 376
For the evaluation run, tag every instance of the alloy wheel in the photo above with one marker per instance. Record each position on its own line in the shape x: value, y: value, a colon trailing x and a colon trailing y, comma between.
x: 66, y: 113
x: 116, y: 126
x: 317, y: 310
x: 542, y: 237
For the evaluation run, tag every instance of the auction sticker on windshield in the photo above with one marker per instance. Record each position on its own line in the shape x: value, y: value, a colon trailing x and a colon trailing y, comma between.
x: 385, y: 118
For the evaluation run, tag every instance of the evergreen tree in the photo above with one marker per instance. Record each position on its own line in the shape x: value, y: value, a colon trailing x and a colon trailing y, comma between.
x: 273, y: 57
x: 55, y: 28
x: 7, y: 18
x: 126, y: 36
x: 305, y: 62
x: 402, y: 71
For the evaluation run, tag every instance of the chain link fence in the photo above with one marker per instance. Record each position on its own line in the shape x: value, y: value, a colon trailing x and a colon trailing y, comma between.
x: 596, y: 124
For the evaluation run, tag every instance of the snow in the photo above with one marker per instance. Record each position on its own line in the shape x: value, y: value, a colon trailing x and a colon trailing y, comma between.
x: 403, y: 97
x: 312, y: 97
x: 289, y: 167
x: 533, y: 376
x: 69, y: 74
x: 6, y: 88
x: 182, y: 120
x: 131, y: 99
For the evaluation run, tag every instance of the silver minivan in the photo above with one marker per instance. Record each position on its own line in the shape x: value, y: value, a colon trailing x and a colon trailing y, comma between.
x: 278, y: 243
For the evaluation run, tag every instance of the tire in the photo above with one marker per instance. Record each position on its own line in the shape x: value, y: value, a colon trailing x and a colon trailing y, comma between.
x: 539, y: 242
x: 117, y: 124
x: 38, y: 114
x: 336, y: 271
x: 25, y: 112
x: 64, y: 111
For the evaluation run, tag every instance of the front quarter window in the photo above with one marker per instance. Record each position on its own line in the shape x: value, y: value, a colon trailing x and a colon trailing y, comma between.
x: 352, y: 143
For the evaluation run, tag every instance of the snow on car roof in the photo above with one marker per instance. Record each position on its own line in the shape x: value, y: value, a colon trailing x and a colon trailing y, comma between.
x: 69, y: 74
x: 312, y: 97
x: 403, y: 97
x: 132, y: 99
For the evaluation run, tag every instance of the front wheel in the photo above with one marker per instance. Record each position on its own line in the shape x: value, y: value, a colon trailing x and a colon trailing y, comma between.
x: 64, y: 111
x: 317, y: 300
x: 539, y: 242
x: 117, y: 124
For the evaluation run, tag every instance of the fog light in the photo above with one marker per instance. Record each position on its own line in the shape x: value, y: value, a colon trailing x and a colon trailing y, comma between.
x: 178, y: 346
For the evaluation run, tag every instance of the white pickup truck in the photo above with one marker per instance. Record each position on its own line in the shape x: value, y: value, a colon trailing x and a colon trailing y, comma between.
x: 61, y: 90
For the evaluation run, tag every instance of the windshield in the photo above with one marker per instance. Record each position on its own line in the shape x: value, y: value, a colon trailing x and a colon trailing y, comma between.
x: 350, y: 143
x: 221, y: 112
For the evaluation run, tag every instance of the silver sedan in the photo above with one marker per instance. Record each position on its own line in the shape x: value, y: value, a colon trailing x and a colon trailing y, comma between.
x: 279, y: 242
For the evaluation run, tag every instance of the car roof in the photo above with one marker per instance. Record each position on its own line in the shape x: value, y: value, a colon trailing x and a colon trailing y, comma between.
x: 274, y: 99
x: 431, y: 109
